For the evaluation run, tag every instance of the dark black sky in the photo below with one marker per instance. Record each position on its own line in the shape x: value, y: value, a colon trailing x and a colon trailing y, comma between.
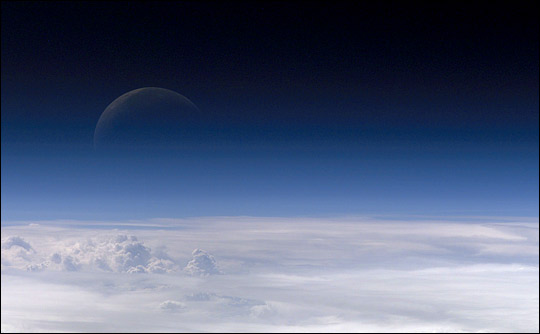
x: 266, y: 63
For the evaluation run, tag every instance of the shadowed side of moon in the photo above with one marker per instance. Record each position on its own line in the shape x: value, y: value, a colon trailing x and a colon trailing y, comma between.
x: 148, y: 116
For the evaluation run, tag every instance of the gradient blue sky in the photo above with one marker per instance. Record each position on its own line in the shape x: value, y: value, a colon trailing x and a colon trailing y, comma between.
x: 316, y: 109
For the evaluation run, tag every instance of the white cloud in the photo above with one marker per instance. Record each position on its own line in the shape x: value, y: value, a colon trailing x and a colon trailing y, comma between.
x: 220, y: 299
x: 12, y: 241
x: 172, y: 305
x: 121, y: 253
x: 202, y: 264
x: 263, y: 311
x: 17, y: 252
x: 278, y: 275
x: 37, y: 267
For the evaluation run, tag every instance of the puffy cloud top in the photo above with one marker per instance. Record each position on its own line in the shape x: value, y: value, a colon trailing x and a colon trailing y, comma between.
x: 122, y: 253
x: 9, y: 242
x: 172, y: 305
x: 202, y: 264
x: 119, y: 254
x: 16, y: 252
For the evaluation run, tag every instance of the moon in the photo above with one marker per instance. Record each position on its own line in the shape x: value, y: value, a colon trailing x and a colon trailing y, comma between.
x: 147, y: 117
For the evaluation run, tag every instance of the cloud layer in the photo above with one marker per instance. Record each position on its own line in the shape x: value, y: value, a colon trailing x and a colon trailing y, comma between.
x: 271, y: 274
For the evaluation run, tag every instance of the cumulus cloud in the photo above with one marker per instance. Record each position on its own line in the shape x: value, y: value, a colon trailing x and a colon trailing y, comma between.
x: 37, y: 267
x: 121, y: 253
x: 12, y: 241
x: 264, y: 311
x: 56, y: 258
x: 279, y: 275
x: 17, y: 252
x: 172, y: 305
x: 202, y: 264
x: 220, y: 299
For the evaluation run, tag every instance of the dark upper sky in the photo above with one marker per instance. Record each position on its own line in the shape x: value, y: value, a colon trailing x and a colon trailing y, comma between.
x: 349, y: 103
x: 268, y: 63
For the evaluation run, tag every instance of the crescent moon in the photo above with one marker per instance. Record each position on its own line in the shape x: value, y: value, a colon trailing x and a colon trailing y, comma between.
x: 146, y: 116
